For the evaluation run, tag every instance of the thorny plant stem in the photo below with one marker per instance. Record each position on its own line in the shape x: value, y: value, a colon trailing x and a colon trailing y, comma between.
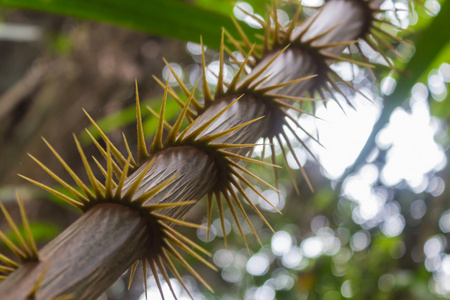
x: 85, y: 258
x: 94, y: 251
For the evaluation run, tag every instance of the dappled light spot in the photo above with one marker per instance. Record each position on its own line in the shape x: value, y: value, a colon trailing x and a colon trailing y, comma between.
x: 264, y: 292
x: 282, y: 17
x: 202, y: 233
x: 388, y: 85
x: 359, y: 188
x: 386, y: 282
x: 232, y: 274
x: 444, y: 222
x: 167, y: 73
x: 360, y: 240
x: 301, y: 156
x: 412, y: 150
x: 241, y: 8
x: 397, y: 13
x: 437, y: 85
x: 445, y: 69
x: 343, y: 134
x: 281, y: 280
x: 418, y: 209
x: 218, y: 227
x: 346, y: 289
x: 275, y: 199
x: 194, y: 48
x: 393, y: 225
x: 252, y: 22
x: 332, y: 245
x: 293, y: 258
x: 343, y: 256
x: 445, y: 265
x: 154, y: 294
x: 434, y: 246
x: 212, y: 72
x: 432, y: 263
x: 312, y: 247
x: 312, y: 3
x: 432, y: 7
x: 319, y: 222
x: 281, y: 243
x: 346, y: 70
x: 223, y: 258
x: 436, y: 186
x: 258, y: 264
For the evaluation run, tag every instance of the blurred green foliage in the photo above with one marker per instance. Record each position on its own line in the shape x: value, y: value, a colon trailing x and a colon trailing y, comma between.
x: 158, y: 17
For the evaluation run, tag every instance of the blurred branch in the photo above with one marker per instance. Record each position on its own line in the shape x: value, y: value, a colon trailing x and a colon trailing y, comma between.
x: 21, y: 89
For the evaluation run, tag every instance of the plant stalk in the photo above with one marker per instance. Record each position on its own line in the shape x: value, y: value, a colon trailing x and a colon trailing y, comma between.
x: 94, y: 251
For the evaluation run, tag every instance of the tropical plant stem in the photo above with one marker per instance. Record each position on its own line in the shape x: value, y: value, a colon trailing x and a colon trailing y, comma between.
x: 93, y: 252
x: 85, y: 258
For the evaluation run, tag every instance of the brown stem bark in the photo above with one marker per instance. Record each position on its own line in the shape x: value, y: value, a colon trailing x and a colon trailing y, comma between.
x: 89, y: 255
x: 93, y: 252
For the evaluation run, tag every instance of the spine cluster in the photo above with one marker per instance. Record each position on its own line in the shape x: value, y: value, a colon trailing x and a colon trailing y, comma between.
x: 290, y: 66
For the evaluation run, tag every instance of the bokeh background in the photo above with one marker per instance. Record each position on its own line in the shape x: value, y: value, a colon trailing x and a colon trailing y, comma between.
x: 374, y: 229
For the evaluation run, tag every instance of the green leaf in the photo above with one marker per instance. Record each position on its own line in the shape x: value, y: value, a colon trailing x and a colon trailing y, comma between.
x: 221, y: 6
x: 168, y: 18
x: 226, y: 6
